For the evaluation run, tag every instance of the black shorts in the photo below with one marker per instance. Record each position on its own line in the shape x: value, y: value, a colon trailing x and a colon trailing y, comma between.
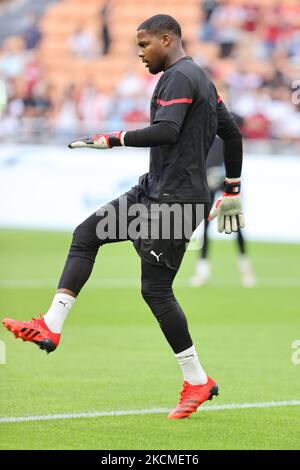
x: 160, y: 232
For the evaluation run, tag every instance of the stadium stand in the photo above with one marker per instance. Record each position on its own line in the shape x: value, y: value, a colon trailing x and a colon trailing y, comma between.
x: 251, y: 50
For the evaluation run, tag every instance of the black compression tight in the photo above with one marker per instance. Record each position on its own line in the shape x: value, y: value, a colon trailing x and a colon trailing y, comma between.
x: 158, y: 294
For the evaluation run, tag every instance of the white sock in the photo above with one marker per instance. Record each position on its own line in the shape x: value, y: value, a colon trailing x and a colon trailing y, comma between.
x: 191, y: 368
x: 58, y: 312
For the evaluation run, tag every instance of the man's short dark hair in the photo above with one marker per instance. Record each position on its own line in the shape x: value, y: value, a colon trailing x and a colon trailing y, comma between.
x: 161, y: 24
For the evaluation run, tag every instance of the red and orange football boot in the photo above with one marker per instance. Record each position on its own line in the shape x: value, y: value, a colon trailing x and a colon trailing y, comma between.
x: 192, y: 396
x: 35, y: 331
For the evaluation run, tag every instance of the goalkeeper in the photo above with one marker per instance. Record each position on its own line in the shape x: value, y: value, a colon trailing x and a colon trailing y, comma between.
x: 186, y: 113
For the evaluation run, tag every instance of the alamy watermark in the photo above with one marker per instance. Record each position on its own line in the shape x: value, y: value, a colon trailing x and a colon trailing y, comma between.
x: 155, y: 221
x: 2, y: 353
x: 295, y: 358
x: 296, y: 93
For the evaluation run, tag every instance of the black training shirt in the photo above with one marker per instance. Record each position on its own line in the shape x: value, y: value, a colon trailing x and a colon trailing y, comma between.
x: 185, y: 98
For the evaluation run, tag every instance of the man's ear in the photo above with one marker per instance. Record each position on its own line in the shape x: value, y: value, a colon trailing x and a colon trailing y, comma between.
x: 166, y: 40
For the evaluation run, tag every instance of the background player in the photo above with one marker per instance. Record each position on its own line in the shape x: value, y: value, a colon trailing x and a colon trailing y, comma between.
x: 215, y: 179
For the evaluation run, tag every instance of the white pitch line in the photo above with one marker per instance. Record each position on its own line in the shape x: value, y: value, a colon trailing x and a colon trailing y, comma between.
x: 126, y: 283
x: 99, y: 414
x: 51, y: 283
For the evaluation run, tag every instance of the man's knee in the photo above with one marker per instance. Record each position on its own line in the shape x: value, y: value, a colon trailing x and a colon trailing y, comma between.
x: 147, y: 292
x: 154, y: 293
x: 84, y: 240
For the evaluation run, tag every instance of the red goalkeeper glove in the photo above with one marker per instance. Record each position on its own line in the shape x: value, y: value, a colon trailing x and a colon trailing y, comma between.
x: 100, y: 141
x: 228, y: 207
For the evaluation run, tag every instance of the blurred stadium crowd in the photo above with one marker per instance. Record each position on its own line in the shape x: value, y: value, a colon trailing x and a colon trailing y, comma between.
x: 74, y: 68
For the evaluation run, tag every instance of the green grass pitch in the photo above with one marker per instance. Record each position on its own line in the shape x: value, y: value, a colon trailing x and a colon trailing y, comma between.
x: 113, y: 355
